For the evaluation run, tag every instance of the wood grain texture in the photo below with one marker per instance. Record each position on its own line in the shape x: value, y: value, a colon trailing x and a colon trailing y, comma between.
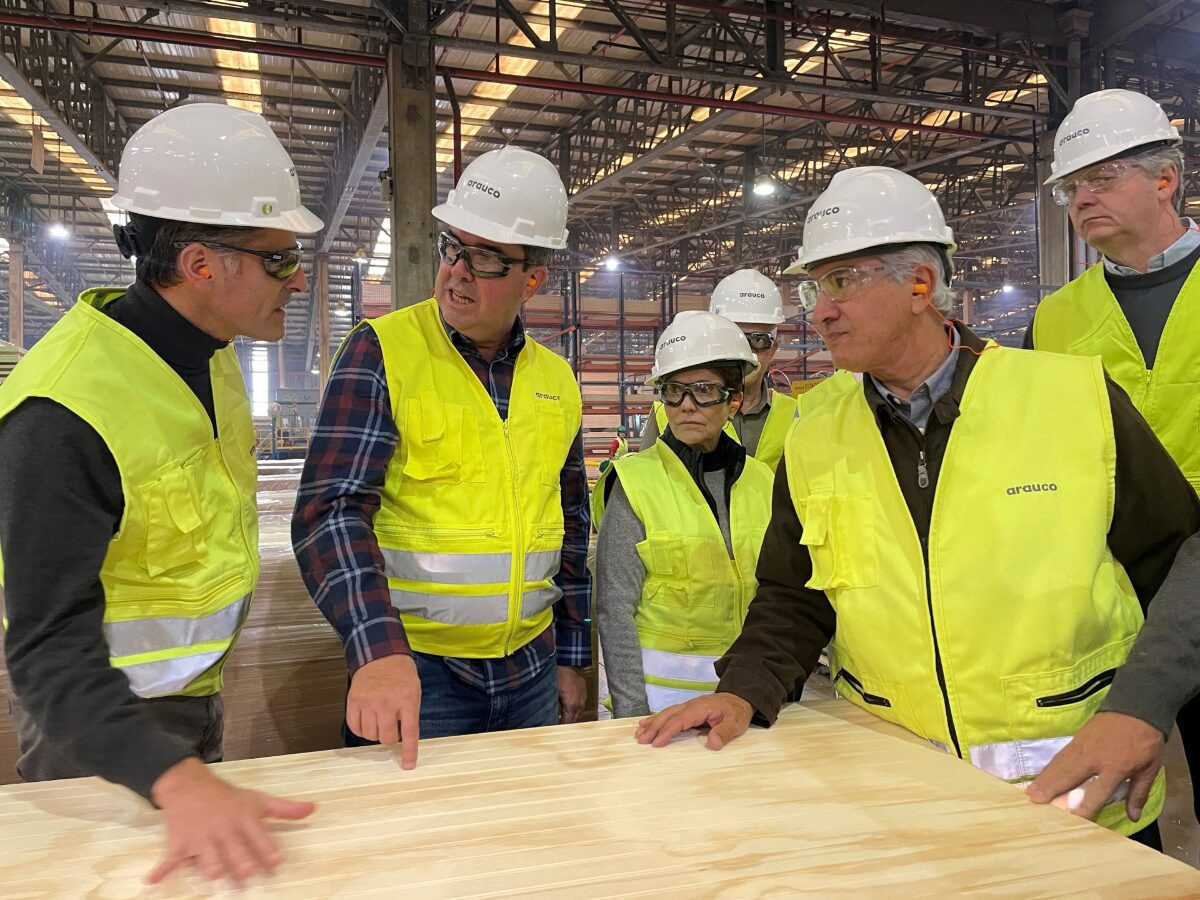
x: 829, y: 802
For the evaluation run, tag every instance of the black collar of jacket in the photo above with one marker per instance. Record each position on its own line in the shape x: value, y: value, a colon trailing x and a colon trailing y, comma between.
x: 728, y: 455
x: 184, y: 347
x: 946, y: 409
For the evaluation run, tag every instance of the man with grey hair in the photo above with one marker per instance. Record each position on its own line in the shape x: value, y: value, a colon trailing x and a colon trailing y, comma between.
x: 972, y: 527
x: 1118, y: 170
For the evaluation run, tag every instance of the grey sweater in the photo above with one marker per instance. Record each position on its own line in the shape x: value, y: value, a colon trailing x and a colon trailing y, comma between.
x: 620, y: 575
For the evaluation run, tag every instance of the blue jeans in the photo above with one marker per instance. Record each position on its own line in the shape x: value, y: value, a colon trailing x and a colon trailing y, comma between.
x: 450, y: 707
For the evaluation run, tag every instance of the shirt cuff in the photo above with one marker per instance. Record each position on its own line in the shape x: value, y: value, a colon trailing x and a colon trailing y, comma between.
x: 374, y: 640
x: 1139, y: 694
x: 573, y: 643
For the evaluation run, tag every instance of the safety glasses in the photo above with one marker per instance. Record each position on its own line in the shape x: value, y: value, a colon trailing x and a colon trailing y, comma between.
x: 703, y: 393
x: 480, y: 261
x: 835, y: 284
x: 760, y: 340
x: 1097, y: 180
x: 281, y: 264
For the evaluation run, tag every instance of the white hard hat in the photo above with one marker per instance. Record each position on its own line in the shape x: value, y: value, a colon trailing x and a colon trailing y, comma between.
x: 747, y: 296
x: 698, y: 338
x: 867, y: 207
x: 212, y: 164
x: 1105, y: 124
x: 511, y: 196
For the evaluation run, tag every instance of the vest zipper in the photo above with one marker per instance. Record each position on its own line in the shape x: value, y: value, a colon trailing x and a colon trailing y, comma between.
x: 1085, y: 690
x: 923, y: 482
x: 873, y: 699
x: 518, y: 555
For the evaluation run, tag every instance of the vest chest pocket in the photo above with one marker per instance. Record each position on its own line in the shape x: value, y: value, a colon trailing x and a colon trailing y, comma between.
x: 441, y: 441
x: 174, y: 521
x: 551, y: 425
x: 839, y: 532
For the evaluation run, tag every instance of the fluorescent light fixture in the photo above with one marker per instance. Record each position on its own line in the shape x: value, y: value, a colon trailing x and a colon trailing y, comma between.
x: 58, y: 231
x: 1008, y: 289
x: 764, y: 186
x: 612, y: 263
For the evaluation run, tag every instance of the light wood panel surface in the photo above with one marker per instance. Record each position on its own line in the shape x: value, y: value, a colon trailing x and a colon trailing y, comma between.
x: 829, y: 802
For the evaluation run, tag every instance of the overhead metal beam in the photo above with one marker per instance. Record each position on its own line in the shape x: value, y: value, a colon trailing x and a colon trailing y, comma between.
x: 109, y: 129
x: 778, y: 84
x: 1116, y: 20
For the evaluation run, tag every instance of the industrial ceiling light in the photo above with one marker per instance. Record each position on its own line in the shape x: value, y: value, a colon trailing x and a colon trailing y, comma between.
x: 360, y: 257
x: 58, y: 231
x: 764, y: 186
x: 612, y: 263
x: 1008, y: 289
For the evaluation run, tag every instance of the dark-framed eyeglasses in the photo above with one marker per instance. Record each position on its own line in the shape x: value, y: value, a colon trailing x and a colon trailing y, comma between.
x: 480, y: 261
x: 703, y: 393
x: 760, y: 340
x: 281, y: 264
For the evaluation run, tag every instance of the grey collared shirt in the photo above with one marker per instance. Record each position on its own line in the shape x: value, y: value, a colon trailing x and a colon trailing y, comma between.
x: 1173, y: 254
x: 918, y: 407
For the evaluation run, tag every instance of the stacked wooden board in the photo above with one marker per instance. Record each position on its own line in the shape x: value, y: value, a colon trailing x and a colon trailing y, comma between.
x: 829, y: 802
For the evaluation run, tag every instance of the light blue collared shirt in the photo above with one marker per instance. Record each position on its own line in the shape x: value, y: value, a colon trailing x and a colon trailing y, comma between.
x: 918, y: 407
x: 1173, y: 254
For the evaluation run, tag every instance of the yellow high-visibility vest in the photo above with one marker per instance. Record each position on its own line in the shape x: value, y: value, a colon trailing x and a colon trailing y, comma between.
x: 1083, y: 318
x: 471, y: 521
x: 179, y: 572
x: 999, y: 639
x: 694, y: 598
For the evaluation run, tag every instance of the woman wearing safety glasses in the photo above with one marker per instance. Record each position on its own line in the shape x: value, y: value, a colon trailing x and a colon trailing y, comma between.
x: 680, y: 525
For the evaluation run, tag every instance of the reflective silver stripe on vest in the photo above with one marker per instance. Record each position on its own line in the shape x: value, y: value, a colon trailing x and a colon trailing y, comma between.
x: 1013, y: 760
x: 534, y: 603
x: 447, y: 568
x: 169, y: 676
x: 154, y: 635
x: 466, y: 568
x: 466, y: 609
x: 542, y: 565
x: 679, y: 666
x: 453, y: 609
x: 659, y: 697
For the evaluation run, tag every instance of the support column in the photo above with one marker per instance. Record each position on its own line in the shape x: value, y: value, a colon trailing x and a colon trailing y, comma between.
x: 1053, y: 226
x: 16, y: 294
x: 321, y: 298
x: 411, y: 137
x: 968, y: 307
x: 281, y: 364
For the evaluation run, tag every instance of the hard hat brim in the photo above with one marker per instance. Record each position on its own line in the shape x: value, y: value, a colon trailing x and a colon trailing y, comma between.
x: 748, y: 369
x: 1105, y: 154
x: 298, y: 221
x: 490, y: 231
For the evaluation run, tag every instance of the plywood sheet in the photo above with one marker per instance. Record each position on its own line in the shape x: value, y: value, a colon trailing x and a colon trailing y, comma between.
x: 818, y: 805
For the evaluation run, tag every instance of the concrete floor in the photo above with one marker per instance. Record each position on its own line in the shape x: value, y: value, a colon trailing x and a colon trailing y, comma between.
x: 1180, y: 831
